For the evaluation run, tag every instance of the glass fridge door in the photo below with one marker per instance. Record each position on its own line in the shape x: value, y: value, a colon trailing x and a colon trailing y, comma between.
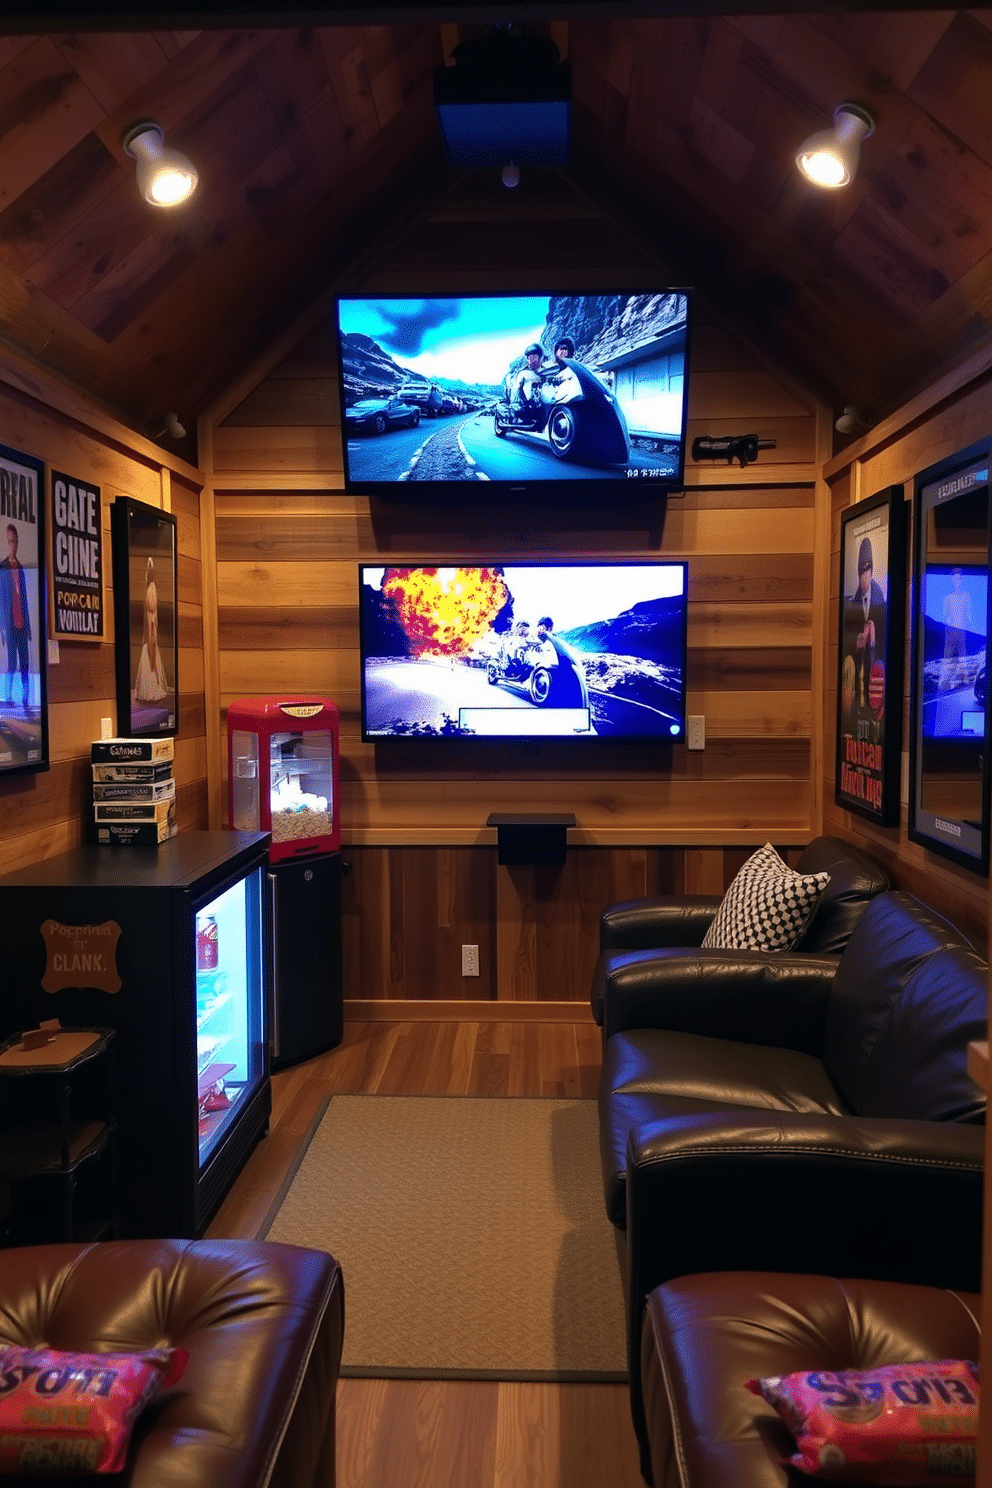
x: 230, y: 1027
x: 244, y: 782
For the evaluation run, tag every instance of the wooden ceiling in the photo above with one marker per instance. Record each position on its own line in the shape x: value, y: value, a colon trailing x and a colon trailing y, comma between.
x: 311, y: 140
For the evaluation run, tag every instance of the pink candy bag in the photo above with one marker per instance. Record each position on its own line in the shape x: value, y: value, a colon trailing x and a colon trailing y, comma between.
x: 900, y: 1423
x: 62, y: 1413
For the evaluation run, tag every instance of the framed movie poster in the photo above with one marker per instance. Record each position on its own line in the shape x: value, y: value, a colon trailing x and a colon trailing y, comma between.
x: 146, y: 618
x: 77, y: 559
x: 23, y: 616
x: 870, y: 656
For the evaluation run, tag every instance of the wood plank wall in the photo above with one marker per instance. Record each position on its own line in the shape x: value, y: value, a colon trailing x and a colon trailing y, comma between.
x: 947, y: 418
x: 51, y: 812
x: 424, y: 874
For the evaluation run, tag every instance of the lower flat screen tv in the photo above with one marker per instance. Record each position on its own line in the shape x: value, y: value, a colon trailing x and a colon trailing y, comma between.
x: 534, y: 650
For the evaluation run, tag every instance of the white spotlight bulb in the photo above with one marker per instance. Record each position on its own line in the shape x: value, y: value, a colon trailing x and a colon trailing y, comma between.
x: 852, y: 421
x: 830, y: 157
x: 510, y: 175
x: 165, y: 177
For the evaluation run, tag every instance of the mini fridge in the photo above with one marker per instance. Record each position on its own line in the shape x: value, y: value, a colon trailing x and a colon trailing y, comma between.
x: 169, y: 947
x: 282, y: 757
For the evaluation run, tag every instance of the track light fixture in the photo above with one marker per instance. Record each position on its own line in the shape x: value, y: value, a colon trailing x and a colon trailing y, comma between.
x: 165, y: 177
x: 852, y: 421
x: 830, y: 157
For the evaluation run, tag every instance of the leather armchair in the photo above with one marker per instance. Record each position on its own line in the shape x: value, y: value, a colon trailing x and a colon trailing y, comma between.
x: 704, y: 1335
x: 263, y: 1326
x: 681, y: 921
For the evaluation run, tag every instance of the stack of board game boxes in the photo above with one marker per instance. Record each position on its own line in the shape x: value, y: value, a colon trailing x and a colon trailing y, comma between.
x: 134, y: 793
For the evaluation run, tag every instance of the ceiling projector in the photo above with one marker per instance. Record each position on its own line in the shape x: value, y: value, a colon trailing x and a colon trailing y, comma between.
x: 507, y: 98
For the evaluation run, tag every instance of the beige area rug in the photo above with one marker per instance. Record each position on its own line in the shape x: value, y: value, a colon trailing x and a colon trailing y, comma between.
x: 472, y: 1236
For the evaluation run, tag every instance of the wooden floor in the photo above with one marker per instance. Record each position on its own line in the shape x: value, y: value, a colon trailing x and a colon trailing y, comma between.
x: 449, y: 1433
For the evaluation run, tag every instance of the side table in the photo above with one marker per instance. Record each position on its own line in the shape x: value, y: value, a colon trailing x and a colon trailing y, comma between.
x: 57, y: 1160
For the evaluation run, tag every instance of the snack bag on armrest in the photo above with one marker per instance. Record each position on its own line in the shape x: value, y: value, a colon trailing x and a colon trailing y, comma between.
x: 899, y: 1423
x: 64, y: 1414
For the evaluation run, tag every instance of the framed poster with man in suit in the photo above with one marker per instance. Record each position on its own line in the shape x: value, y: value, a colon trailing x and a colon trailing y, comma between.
x: 871, y: 639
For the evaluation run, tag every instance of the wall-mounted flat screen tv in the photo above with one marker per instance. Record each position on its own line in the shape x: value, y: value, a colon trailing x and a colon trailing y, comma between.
x: 954, y: 641
x: 549, y: 650
x: 949, y: 769
x: 545, y: 397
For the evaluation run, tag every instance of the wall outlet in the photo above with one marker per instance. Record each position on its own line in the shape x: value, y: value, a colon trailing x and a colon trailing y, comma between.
x: 470, y: 960
x: 106, y: 728
x: 696, y: 731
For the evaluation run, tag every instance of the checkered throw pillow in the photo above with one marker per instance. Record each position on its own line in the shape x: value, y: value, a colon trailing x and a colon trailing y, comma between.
x: 767, y: 907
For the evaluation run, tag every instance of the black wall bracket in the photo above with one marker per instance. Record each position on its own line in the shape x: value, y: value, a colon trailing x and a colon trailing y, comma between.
x: 537, y: 840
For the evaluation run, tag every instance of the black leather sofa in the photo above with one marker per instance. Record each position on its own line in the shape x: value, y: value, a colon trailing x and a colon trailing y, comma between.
x: 632, y: 927
x: 786, y: 1112
x: 705, y: 1335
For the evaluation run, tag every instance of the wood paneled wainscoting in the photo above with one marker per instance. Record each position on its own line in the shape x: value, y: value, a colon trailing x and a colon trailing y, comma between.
x: 409, y: 910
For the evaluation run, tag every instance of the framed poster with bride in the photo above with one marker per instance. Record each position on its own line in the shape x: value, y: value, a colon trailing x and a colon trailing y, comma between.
x: 871, y: 641
x: 146, y: 618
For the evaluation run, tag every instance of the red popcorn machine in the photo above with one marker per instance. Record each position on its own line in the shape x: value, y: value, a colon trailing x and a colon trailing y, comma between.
x: 282, y: 764
x: 282, y: 761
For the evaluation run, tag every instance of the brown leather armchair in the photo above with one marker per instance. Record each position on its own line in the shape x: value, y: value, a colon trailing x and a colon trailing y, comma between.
x: 705, y: 1335
x: 262, y: 1324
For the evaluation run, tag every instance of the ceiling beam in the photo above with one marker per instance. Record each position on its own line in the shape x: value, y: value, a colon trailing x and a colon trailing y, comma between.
x: 34, y: 16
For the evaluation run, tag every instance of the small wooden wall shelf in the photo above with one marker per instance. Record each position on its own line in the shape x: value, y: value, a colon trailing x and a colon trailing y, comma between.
x: 534, y: 840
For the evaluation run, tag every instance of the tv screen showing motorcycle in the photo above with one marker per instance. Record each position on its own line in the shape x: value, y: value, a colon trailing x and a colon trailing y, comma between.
x: 524, y: 393
x: 531, y: 650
